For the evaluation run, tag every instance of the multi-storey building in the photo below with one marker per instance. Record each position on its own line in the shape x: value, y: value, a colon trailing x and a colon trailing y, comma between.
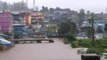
x: 6, y: 22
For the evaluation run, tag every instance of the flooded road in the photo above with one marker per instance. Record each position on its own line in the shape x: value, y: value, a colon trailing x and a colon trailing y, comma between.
x: 41, y: 51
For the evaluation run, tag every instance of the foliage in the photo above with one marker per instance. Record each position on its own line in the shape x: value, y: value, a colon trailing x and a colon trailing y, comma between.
x: 70, y: 37
x: 99, y: 48
x: 98, y: 51
x: 66, y: 27
x: 89, y: 32
x: 81, y: 16
x: 74, y: 44
x: 92, y: 31
x: 66, y: 41
x: 105, y: 28
x: 85, y: 43
x: 19, y: 6
x: 102, y: 43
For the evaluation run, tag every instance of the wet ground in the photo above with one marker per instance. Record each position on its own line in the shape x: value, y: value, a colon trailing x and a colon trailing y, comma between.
x: 41, y: 51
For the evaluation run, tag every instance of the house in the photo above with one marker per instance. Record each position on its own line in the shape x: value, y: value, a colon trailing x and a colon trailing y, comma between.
x: 81, y: 35
x: 18, y: 17
x: 37, y: 17
x: 99, y: 25
x: 98, y: 36
x: 6, y: 22
x: 19, y: 30
x: 27, y: 18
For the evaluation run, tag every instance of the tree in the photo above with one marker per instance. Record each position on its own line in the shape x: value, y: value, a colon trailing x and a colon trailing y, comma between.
x: 19, y: 6
x: 5, y: 6
x: 81, y: 16
x: 51, y: 10
x: 13, y: 7
x: 88, y: 12
x: 89, y: 32
x: 91, y: 21
x: 70, y: 37
x: 44, y: 9
x: 66, y: 27
x: 105, y: 28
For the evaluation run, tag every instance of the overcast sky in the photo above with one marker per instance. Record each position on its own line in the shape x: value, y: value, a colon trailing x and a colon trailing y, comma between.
x: 92, y: 5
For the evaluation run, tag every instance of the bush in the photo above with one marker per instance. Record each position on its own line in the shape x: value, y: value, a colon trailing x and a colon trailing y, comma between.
x: 66, y: 41
x: 102, y: 43
x: 85, y: 43
x: 70, y: 37
x: 74, y: 44
x: 98, y: 51
x: 99, y: 48
x: 105, y: 51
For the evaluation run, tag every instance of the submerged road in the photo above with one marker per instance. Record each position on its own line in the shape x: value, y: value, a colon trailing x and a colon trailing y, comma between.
x: 41, y: 51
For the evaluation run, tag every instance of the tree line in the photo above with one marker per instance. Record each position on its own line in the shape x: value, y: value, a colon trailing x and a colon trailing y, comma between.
x: 18, y: 6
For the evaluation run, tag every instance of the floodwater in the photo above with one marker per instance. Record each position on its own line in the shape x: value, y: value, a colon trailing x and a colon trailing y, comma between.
x: 41, y: 51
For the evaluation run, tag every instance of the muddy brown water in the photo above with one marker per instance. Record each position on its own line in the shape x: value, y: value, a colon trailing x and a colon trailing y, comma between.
x: 41, y: 51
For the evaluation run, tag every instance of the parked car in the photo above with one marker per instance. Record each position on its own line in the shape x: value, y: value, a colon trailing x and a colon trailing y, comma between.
x: 5, y: 44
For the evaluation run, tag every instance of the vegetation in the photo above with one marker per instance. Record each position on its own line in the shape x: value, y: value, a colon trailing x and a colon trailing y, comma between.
x: 98, y: 51
x: 81, y: 16
x: 105, y: 27
x: 66, y: 41
x: 92, y: 31
x: 19, y: 6
x: 89, y: 32
x: 67, y: 27
x: 74, y: 44
x: 70, y: 37
x: 68, y: 31
x: 99, y: 48
x: 102, y: 43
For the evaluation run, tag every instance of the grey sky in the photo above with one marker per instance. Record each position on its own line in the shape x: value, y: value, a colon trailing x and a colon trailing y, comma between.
x: 92, y: 5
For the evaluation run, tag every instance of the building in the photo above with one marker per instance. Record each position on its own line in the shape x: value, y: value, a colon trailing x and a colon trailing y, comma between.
x: 6, y: 22
x: 37, y: 17
x: 99, y: 25
x: 82, y: 35
x: 18, y: 17
x: 19, y: 30
x: 27, y: 18
x: 36, y: 20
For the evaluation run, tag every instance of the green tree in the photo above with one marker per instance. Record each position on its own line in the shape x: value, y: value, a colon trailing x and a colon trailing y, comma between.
x: 105, y: 27
x: 89, y: 32
x: 92, y: 31
x: 66, y: 27
x: 81, y: 16
x: 70, y: 37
